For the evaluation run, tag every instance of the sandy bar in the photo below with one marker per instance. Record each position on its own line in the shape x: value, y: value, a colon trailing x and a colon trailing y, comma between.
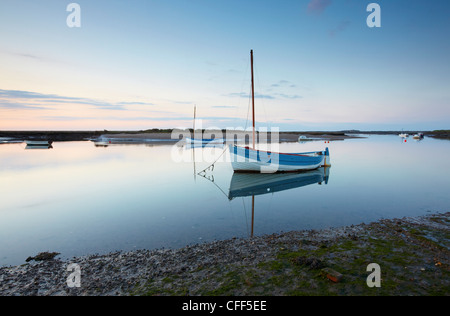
x: 229, y: 135
x: 174, y: 134
x: 169, y: 135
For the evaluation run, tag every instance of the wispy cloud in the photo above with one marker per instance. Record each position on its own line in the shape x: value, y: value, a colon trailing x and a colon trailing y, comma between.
x: 135, y: 103
x: 26, y: 99
x: 224, y: 106
x: 272, y: 96
x: 283, y: 83
x: 341, y: 27
x: 177, y: 101
x: 288, y: 96
x: 211, y: 119
x: 19, y: 94
x: 30, y: 57
x: 113, y: 118
x: 245, y: 95
x: 18, y: 106
x: 318, y: 6
x: 281, y: 89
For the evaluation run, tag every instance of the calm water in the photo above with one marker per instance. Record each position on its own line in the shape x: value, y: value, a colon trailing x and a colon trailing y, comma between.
x: 79, y: 199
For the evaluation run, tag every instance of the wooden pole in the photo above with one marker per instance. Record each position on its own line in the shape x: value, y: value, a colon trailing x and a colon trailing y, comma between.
x: 253, y: 213
x: 253, y: 99
x: 193, y: 149
x: 193, y: 132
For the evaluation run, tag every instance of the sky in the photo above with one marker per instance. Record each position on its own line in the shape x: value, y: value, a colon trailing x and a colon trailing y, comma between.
x: 143, y: 64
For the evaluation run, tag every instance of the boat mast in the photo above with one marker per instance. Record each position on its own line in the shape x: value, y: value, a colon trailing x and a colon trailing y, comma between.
x: 253, y: 99
x: 193, y: 149
x: 193, y: 136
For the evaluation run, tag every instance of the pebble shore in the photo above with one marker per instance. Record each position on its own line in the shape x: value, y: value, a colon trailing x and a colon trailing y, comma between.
x: 124, y: 273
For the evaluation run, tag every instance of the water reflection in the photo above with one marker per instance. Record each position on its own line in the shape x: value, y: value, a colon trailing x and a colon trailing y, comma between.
x: 246, y: 184
x: 211, y: 146
x: 39, y: 147
x: 29, y: 144
x: 189, y: 146
x: 78, y: 199
x: 254, y: 184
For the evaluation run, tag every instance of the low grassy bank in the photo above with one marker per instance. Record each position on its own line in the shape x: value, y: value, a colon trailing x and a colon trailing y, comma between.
x: 413, y: 257
x: 441, y: 134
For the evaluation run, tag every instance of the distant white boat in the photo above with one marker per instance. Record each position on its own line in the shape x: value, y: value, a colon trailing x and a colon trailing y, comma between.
x: 303, y: 138
x: 38, y: 142
x: 8, y: 140
x: 202, y: 145
x: 102, y: 143
x: 204, y: 141
x: 418, y: 136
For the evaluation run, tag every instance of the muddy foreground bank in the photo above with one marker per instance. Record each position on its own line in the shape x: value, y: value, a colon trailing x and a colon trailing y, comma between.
x: 412, y: 253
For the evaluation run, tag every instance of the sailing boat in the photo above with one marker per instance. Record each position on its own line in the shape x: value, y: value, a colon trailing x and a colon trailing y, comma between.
x: 246, y: 159
x: 403, y: 135
x: 202, y: 141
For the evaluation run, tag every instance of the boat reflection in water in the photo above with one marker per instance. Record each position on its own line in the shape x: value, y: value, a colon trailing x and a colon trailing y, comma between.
x: 253, y: 184
x: 38, y: 144
x: 193, y: 145
x: 39, y: 147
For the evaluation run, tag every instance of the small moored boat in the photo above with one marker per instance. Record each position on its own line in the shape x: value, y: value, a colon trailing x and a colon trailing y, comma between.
x: 246, y: 159
x: 38, y: 142
x: 204, y: 141
x: 303, y: 138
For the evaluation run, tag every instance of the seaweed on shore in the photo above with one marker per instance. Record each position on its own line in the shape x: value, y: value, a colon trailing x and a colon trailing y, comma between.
x: 43, y: 256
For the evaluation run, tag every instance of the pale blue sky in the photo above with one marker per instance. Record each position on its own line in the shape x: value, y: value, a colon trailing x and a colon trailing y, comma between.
x: 144, y: 64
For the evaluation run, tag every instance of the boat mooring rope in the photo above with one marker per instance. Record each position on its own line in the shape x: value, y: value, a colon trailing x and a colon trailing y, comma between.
x: 211, y: 166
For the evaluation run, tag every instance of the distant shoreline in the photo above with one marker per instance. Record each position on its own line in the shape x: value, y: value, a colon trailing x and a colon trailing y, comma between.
x: 166, y: 134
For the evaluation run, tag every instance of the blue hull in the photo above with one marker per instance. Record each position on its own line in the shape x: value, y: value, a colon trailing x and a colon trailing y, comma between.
x: 245, y: 159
